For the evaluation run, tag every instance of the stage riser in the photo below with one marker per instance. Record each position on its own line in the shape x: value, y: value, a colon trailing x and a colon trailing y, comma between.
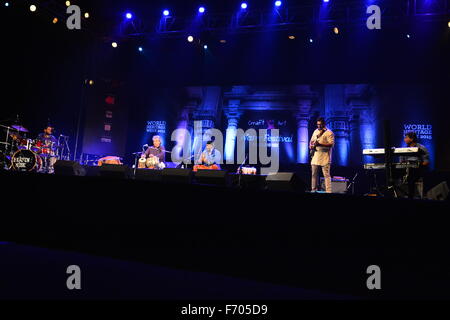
x: 319, y: 241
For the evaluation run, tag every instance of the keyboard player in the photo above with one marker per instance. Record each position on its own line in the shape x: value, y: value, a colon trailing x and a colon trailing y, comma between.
x: 413, y: 179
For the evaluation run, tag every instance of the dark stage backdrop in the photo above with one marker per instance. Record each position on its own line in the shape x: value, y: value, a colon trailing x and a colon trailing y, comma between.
x: 355, y: 112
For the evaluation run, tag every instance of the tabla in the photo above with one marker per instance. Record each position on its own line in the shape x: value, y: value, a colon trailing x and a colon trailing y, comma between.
x: 142, y: 163
x: 25, y: 161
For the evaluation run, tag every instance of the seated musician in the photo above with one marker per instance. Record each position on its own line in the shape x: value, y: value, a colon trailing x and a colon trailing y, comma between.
x: 47, y: 137
x: 414, y: 177
x: 47, y: 144
x: 210, y: 158
x: 155, y: 151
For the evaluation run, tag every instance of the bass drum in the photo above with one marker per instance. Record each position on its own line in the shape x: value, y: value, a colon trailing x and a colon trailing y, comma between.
x: 26, y: 161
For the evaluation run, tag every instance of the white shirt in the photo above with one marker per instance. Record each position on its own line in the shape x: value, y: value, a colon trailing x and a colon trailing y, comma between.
x: 322, y: 156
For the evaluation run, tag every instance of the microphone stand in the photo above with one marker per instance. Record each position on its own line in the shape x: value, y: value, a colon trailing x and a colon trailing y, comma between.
x: 352, y: 184
x: 240, y: 172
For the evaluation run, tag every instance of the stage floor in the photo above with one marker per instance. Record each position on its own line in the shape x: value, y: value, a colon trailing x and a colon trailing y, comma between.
x: 318, y: 242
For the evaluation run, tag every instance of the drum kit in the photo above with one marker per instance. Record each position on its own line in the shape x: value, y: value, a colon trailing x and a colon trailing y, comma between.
x: 19, y: 153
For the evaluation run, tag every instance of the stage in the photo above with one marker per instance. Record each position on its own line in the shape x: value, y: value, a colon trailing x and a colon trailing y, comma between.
x: 313, y: 241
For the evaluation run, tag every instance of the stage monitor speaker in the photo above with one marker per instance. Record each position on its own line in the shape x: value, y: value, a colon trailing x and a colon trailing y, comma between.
x: 215, y: 177
x: 115, y: 171
x: 337, y: 185
x: 173, y: 175
x: 284, y: 181
x: 439, y: 192
x: 92, y: 171
x: 148, y: 175
x: 68, y: 168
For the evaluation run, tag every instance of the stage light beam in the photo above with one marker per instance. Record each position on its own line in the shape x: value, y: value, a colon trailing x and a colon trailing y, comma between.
x: 129, y: 15
x: 278, y: 3
x: 166, y: 12
x: 244, y: 5
x: 201, y: 10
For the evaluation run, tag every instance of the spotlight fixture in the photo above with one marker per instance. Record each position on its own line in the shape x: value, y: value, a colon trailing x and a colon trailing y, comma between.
x: 408, y: 36
x: 243, y: 5
x: 7, y: 5
x: 33, y: 8
x: 449, y: 24
x: 190, y: 39
x: 278, y: 3
x: 205, y: 47
x: 223, y: 41
x: 55, y: 20
x: 336, y: 30
x: 67, y: 3
x: 326, y: 0
x: 129, y: 15
x: 140, y: 49
x: 291, y: 37
x: 311, y: 40
x: 86, y: 15
x: 114, y: 45
x: 91, y: 82
x: 201, y: 9
x: 166, y: 12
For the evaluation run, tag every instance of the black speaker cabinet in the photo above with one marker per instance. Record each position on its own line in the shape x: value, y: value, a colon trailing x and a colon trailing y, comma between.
x: 174, y: 175
x: 284, y: 181
x: 69, y: 168
x: 215, y: 177
x: 115, y: 171
x: 149, y: 175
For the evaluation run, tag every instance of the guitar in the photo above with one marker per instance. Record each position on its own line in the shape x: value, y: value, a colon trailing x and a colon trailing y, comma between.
x: 313, y: 150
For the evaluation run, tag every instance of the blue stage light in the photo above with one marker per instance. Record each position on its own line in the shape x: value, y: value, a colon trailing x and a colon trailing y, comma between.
x: 326, y: 0
x: 129, y: 15
x: 140, y: 49
x: 244, y: 5
x: 278, y: 3
x: 166, y: 12
x: 311, y: 40
x: 201, y: 9
x: 205, y: 47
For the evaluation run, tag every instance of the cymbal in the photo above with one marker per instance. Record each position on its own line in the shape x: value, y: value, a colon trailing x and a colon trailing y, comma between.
x: 20, y: 128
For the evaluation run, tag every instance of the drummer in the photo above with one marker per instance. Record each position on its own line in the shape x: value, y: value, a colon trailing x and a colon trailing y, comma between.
x: 156, y: 150
x: 47, y: 137
x: 48, y: 144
